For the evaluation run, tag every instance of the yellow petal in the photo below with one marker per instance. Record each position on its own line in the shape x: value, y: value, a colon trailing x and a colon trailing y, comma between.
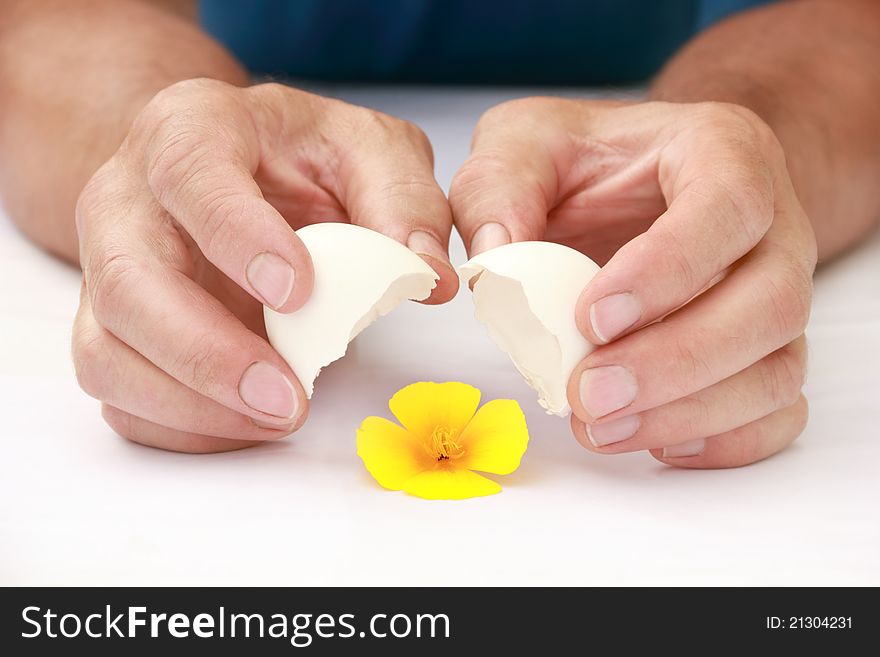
x: 495, y: 439
x: 422, y: 407
x: 390, y: 453
x: 449, y: 484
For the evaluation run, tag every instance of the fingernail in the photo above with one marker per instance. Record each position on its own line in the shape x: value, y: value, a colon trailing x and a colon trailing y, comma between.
x: 607, y: 389
x: 488, y: 236
x: 286, y: 427
x: 690, y: 448
x: 614, y: 431
x: 268, y: 391
x: 614, y: 314
x: 432, y: 251
x: 272, y: 278
x: 424, y: 243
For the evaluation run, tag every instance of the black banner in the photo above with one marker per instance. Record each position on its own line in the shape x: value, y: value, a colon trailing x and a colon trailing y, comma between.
x: 114, y: 621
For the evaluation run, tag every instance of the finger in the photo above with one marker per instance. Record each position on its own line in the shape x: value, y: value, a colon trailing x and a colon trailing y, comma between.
x: 774, y: 382
x: 506, y: 187
x: 203, y: 176
x: 720, y: 190
x: 747, y: 444
x: 387, y: 184
x: 150, y: 434
x: 759, y: 307
x: 178, y: 326
x: 111, y: 371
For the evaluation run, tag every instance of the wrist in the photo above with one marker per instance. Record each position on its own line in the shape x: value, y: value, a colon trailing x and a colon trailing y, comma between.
x: 808, y: 160
x: 744, y: 89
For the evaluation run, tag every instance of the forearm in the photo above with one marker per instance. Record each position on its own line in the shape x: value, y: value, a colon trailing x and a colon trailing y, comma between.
x: 811, y: 70
x: 73, y: 74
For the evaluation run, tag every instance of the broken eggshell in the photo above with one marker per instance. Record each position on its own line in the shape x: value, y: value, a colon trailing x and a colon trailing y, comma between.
x: 360, y: 275
x: 525, y: 293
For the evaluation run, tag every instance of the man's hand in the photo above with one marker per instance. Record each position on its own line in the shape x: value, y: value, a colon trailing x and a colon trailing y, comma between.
x: 691, y: 210
x: 188, y: 229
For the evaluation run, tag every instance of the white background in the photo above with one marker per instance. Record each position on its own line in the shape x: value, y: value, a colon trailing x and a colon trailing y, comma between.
x: 79, y: 505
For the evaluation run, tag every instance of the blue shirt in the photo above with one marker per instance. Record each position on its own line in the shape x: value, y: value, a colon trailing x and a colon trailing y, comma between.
x: 460, y: 41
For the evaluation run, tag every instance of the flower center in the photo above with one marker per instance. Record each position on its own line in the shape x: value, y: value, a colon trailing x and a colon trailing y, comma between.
x: 443, y: 445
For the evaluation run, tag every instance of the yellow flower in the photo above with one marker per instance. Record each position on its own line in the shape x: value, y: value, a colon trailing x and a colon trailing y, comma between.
x: 444, y: 438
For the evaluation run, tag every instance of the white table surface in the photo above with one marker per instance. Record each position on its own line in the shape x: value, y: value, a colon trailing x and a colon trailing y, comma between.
x: 79, y: 505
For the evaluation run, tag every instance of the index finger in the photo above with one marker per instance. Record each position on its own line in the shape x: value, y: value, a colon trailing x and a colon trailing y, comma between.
x: 202, y: 172
x: 386, y: 183
x: 719, y: 185
x: 504, y: 190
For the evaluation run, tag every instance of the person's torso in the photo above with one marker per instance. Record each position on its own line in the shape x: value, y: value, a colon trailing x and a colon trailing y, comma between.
x: 460, y: 41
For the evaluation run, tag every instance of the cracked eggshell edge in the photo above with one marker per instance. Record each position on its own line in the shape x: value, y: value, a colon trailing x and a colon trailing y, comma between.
x: 525, y: 293
x: 360, y: 275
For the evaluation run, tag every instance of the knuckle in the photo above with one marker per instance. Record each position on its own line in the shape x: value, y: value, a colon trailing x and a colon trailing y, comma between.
x: 408, y: 128
x: 758, y: 132
x: 714, y: 114
x: 488, y: 163
x: 276, y: 90
x: 518, y: 108
x: 789, y: 297
x: 182, y: 93
x: 91, y: 195
x: 86, y: 205
x: 667, y: 248
x: 172, y: 107
x: 222, y: 212
x: 473, y: 183
x: 692, y: 367
x: 373, y: 122
x: 783, y: 377
x: 99, y: 192
x: 683, y: 271
x: 746, y: 178
x: 406, y: 187
x: 108, y: 277
x: 199, y: 366
x: 810, y: 252
x: 177, y: 157
x: 522, y: 118
x: 392, y: 128
x: 696, y: 415
x: 802, y: 249
x: 747, y: 191
x: 473, y: 203
x: 183, y: 133
x: 417, y: 136
x: 736, y: 119
x: 88, y: 364
x: 796, y: 355
x: 477, y: 169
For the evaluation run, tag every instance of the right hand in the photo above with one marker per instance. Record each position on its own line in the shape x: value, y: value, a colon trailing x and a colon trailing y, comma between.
x: 189, y: 228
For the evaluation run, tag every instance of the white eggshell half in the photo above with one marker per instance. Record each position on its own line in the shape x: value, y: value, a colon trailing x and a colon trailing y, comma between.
x: 525, y: 293
x: 360, y: 275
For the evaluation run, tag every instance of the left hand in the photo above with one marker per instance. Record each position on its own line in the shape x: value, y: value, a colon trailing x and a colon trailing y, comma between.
x: 691, y: 211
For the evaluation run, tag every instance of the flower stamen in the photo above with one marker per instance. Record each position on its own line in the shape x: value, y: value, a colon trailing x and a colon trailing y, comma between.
x: 444, y: 446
